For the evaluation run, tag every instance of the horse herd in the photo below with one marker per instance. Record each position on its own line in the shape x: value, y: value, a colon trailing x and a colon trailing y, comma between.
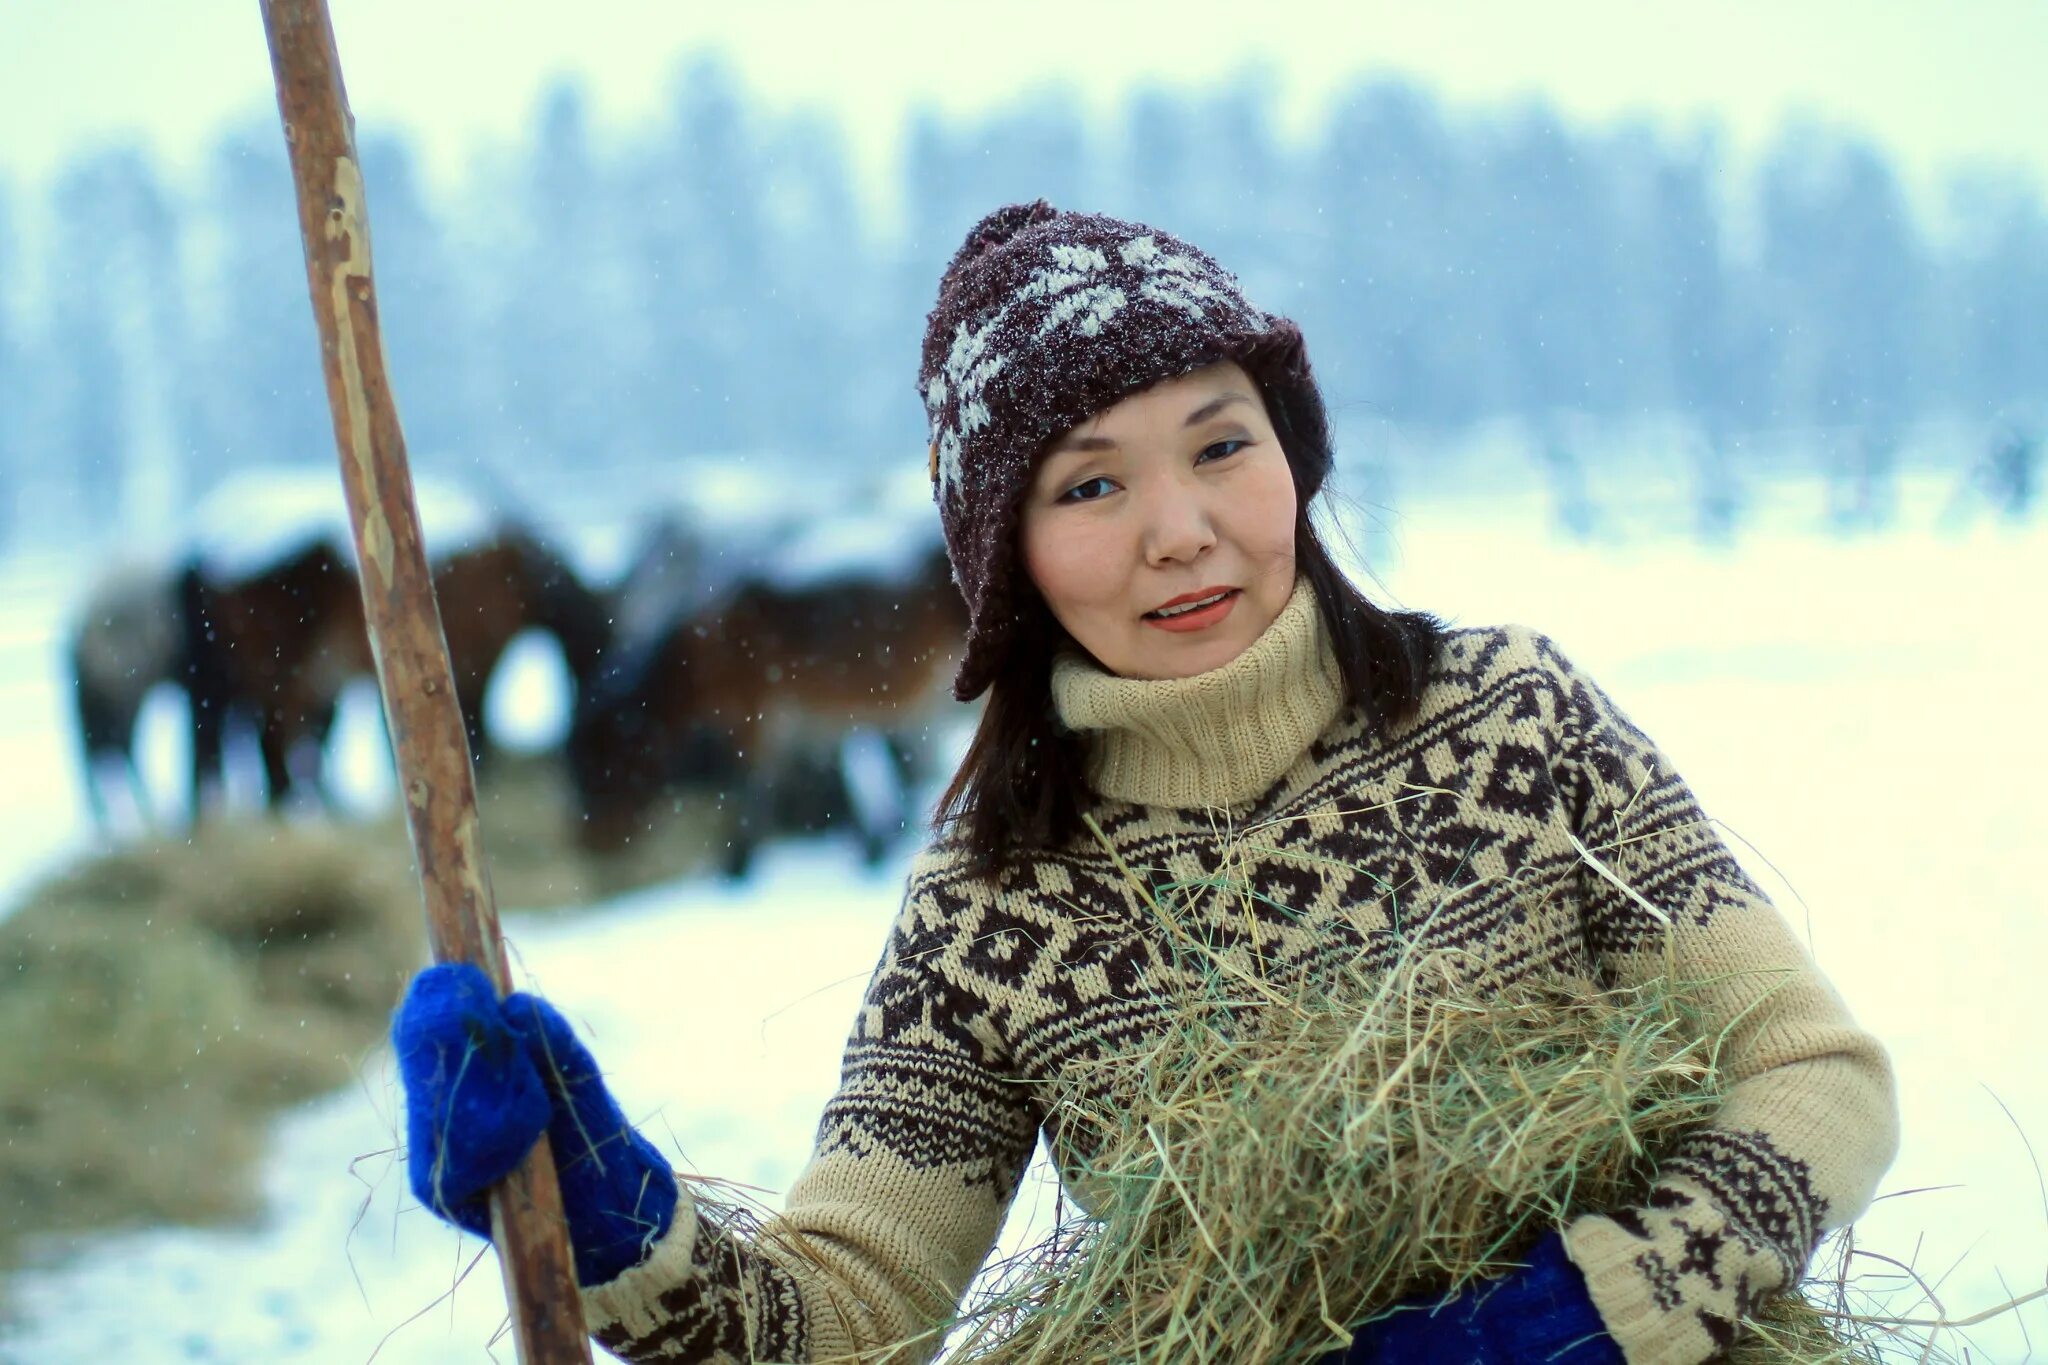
x: 766, y: 668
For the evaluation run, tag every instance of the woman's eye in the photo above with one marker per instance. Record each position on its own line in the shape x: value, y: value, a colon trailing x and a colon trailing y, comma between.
x: 1222, y: 450
x: 1088, y: 490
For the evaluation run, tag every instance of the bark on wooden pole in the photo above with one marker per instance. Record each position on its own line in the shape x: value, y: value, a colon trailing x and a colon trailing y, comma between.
x: 413, y: 672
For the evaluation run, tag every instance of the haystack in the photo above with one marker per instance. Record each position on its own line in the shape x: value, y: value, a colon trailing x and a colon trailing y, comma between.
x: 162, y: 1003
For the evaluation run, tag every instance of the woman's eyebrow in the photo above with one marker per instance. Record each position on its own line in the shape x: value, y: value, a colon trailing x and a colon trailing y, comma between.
x: 1195, y: 419
x: 1214, y: 406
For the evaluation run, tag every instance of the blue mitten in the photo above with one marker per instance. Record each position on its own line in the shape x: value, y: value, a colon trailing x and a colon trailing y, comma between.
x: 483, y: 1079
x: 617, y: 1193
x: 474, y: 1105
x: 1540, y: 1314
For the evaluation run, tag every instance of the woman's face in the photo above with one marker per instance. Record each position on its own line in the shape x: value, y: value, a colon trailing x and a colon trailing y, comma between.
x: 1161, y: 530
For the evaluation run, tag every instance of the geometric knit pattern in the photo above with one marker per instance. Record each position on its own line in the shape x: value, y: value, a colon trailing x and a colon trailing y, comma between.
x: 1457, y: 829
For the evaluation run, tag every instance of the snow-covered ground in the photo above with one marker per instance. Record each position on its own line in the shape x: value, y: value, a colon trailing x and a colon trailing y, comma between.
x: 1863, y: 715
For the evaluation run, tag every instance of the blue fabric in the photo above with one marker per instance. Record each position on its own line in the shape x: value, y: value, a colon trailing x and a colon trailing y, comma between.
x: 473, y: 1100
x: 617, y: 1192
x: 1540, y: 1314
x: 483, y: 1079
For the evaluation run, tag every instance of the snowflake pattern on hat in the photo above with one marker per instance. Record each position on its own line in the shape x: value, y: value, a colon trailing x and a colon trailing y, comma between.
x: 1078, y: 281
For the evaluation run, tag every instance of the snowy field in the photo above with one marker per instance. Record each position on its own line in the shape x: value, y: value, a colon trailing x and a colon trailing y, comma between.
x: 1863, y: 715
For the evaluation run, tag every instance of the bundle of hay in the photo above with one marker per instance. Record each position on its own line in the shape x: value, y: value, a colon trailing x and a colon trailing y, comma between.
x: 164, y: 1002
x: 1279, y: 1167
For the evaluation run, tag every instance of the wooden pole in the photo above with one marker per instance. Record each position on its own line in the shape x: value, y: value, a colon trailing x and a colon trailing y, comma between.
x: 413, y: 671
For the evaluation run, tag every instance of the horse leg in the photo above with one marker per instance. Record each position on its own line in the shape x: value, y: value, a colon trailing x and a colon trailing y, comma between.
x: 96, y: 795
x: 323, y: 732
x: 873, y: 778
x: 92, y: 743
x: 275, y: 741
x: 751, y: 822
x: 138, y: 790
x: 305, y: 747
x: 111, y: 766
x: 754, y: 818
x: 209, y: 753
x: 208, y: 688
x: 128, y: 760
x: 906, y: 755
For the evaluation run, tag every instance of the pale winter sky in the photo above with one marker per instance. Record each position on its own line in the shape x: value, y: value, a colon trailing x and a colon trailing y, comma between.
x: 1939, y: 84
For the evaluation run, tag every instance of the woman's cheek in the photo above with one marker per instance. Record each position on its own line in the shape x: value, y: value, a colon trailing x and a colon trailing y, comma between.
x: 1086, y: 569
x: 1255, y: 514
x: 1062, y: 560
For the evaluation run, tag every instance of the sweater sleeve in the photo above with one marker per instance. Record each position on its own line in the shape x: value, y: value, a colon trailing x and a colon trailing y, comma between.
x: 1810, y: 1119
x: 917, y: 1157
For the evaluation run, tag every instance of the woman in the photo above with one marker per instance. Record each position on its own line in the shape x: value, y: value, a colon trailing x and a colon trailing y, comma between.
x: 1124, y: 455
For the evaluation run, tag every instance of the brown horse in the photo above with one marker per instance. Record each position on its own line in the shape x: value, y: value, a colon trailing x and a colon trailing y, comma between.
x: 491, y: 591
x: 270, y: 648
x: 758, y: 685
x: 275, y: 648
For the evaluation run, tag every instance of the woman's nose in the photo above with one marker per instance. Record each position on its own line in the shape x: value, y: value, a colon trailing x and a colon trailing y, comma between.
x: 1179, y: 524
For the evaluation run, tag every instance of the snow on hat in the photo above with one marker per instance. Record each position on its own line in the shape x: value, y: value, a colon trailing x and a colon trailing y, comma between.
x: 1046, y: 318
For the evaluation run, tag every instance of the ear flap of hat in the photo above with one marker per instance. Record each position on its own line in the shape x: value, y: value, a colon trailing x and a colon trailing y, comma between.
x: 991, y: 628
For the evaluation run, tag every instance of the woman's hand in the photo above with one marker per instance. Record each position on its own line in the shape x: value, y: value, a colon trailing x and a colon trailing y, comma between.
x: 484, y: 1078
x: 1540, y: 1312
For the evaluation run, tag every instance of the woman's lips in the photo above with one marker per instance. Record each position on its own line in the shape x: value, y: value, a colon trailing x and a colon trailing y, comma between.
x: 1200, y: 618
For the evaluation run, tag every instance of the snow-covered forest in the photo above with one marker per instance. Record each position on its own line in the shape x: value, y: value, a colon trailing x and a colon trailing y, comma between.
x: 584, y: 305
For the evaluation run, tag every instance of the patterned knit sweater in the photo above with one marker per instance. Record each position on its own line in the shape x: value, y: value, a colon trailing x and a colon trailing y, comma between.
x: 1470, y: 812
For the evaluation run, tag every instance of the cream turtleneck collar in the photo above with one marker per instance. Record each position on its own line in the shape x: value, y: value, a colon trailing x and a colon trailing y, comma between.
x: 1216, y: 739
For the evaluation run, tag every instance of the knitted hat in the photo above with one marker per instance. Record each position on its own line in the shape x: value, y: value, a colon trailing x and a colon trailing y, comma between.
x: 1046, y: 318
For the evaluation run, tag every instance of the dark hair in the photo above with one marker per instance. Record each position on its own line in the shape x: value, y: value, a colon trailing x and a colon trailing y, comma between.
x: 1021, y: 786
